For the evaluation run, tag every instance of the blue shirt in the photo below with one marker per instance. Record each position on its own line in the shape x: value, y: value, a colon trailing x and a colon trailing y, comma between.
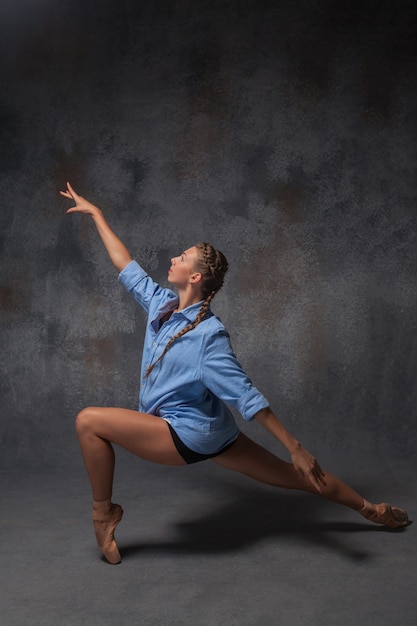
x: 198, y: 376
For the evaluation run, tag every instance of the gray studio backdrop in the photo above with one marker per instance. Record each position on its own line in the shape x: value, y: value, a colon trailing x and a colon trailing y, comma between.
x: 282, y: 132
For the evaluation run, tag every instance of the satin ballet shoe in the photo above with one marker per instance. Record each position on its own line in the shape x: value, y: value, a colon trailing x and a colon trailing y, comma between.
x: 104, y: 527
x: 385, y: 514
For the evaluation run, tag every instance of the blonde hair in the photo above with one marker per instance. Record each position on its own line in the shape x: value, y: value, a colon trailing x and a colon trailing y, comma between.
x: 213, y: 265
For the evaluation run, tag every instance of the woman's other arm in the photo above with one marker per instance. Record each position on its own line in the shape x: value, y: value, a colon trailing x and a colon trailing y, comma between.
x: 116, y: 249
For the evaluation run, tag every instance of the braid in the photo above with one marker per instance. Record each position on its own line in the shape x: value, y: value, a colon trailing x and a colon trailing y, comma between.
x: 213, y: 266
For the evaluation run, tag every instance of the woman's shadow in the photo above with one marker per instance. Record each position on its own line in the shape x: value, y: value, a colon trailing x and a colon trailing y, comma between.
x: 249, y: 515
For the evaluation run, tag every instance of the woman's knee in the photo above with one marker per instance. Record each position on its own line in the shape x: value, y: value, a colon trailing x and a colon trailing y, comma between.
x: 84, y: 421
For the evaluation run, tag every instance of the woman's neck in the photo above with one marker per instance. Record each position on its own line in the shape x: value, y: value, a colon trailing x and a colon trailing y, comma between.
x: 188, y: 297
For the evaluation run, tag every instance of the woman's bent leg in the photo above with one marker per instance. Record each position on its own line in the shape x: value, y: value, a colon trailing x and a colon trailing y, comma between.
x: 251, y: 459
x: 144, y: 435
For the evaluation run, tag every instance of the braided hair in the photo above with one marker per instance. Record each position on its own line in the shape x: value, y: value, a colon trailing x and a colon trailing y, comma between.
x: 212, y: 264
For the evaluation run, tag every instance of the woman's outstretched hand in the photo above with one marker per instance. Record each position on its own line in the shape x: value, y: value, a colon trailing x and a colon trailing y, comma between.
x: 116, y: 249
x: 308, y: 467
x: 81, y: 204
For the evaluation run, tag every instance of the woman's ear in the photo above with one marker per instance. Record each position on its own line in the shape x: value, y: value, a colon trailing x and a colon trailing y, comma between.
x: 196, y: 277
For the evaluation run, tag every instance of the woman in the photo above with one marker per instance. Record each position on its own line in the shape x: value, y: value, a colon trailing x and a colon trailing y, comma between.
x: 189, y: 373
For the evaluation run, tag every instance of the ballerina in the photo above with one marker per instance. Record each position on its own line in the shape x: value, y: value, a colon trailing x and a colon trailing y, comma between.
x: 189, y: 376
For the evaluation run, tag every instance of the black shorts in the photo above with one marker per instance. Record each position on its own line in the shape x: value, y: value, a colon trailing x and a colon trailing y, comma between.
x: 189, y: 455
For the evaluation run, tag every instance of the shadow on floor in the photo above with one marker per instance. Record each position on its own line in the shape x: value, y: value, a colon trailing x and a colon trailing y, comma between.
x: 250, y: 517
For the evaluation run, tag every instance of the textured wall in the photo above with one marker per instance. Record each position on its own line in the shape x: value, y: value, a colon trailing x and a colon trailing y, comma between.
x: 284, y: 133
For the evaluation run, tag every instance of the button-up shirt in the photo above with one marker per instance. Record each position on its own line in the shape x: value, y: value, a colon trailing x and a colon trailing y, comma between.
x: 198, y: 376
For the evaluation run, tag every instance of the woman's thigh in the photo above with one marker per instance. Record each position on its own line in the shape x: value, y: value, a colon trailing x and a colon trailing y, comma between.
x: 251, y: 459
x: 146, y: 436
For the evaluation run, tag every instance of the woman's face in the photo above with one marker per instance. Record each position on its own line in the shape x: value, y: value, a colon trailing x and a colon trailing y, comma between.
x: 182, y: 271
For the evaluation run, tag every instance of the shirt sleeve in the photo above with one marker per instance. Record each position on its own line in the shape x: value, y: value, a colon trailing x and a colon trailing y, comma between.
x: 135, y: 280
x: 223, y: 375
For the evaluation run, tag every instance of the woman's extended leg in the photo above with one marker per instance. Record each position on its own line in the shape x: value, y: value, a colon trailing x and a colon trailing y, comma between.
x: 251, y: 459
x: 144, y: 435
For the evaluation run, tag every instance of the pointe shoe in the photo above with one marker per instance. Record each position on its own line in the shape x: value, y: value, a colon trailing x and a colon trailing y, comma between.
x: 104, y: 527
x: 386, y: 514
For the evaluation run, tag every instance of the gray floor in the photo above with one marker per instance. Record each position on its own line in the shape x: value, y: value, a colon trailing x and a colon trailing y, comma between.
x: 202, y: 546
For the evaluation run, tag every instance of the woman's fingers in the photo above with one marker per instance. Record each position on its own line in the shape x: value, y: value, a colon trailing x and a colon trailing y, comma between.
x: 71, y: 190
x: 81, y: 204
x: 70, y: 193
x: 318, y: 477
x: 319, y: 473
x: 309, y: 468
x: 315, y: 481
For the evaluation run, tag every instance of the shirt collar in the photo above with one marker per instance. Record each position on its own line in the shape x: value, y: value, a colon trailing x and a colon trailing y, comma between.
x: 190, y: 312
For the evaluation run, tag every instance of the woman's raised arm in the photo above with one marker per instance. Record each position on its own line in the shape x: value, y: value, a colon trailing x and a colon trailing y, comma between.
x: 116, y: 249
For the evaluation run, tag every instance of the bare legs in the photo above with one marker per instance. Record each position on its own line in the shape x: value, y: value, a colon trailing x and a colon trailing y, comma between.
x: 148, y: 437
